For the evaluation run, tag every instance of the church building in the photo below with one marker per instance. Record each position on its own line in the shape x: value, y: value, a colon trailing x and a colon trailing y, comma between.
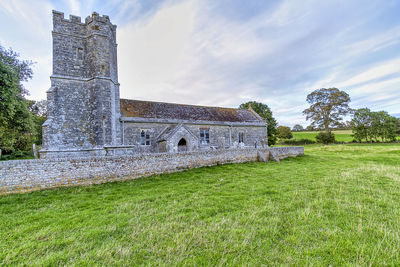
x: 87, y: 117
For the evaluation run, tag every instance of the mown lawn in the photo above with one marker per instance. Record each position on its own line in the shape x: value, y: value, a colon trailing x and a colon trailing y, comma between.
x: 337, y: 205
x: 340, y: 136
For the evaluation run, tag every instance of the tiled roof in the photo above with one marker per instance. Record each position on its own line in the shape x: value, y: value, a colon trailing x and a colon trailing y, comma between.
x: 161, y: 110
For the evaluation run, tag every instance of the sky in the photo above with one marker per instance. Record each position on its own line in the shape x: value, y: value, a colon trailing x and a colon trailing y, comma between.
x: 227, y: 52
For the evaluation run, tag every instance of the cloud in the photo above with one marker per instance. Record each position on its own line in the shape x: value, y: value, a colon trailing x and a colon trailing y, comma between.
x: 74, y: 6
x: 31, y: 19
x: 387, y: 38
x: 225, y: 53
x: 190, y: 52
x: 375, y: 72
x: 151, y: 51
x: 27, y: 30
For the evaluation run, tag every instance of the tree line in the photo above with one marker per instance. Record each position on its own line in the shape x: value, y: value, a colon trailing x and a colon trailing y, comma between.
x: 20, y: 118
x: 327, y: 109
x: 374, y: 126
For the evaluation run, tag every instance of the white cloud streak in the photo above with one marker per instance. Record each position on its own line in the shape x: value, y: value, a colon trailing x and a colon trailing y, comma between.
x: 74, y: 6
x: 193, y: 52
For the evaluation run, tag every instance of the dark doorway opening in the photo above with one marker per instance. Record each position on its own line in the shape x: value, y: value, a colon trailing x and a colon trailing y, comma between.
x: 182, y: 145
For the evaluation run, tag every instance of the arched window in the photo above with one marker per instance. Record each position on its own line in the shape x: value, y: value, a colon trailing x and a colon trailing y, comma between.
x: 241, y: 137
x: 145, y: 137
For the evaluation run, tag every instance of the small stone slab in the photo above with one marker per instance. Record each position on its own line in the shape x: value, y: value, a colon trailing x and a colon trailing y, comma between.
x: 273, y: 156
x: 261, y: 156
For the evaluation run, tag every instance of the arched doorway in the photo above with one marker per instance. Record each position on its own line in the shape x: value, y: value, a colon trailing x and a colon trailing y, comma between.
x: 182, y: 145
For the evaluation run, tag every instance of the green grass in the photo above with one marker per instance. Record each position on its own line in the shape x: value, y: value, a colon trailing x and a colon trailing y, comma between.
x: 340, y: 136
x: 337, y: 205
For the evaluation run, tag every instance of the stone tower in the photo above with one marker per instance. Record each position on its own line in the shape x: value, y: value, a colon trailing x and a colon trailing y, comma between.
x: 83, y: 101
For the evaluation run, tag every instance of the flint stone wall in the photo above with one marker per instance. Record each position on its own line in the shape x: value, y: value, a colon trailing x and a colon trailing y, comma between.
x: 29, y: 175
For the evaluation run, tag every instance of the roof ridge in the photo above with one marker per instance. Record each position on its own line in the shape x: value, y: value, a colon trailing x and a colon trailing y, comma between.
x: 191, y: 105
x: 164, y: 110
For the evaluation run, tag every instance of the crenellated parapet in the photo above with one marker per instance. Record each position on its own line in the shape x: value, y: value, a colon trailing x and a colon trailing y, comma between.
x: 75, y: 25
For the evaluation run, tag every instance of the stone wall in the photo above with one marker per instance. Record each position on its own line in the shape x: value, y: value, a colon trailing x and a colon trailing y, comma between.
x: 29, y: 175
x: 230, y: 134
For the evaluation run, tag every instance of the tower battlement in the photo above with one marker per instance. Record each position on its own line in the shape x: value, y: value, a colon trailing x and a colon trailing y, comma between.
x: 94, y: 24
x: 57, y: 15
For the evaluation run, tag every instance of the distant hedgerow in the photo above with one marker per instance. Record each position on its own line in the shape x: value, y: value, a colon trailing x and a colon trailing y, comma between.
x: 297, y: 142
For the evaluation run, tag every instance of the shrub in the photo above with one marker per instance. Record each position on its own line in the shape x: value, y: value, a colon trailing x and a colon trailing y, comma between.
x: 284, y: 132
x: 298, y: 142
x: 325, y: 138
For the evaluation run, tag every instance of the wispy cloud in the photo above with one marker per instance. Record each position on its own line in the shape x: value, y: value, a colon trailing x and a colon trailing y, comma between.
x: 228, y: 52
x: 74, y: 6
x: 26, y: 27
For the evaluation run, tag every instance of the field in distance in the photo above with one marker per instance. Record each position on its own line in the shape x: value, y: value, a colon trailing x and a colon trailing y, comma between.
x: 340, y: 135
x: 337, y: 205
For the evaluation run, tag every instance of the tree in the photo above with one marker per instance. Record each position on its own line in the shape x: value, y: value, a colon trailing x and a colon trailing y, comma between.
x: 21, y: 69
x: 387, y: 127
x: 398, y: 126
x: 265, y: 112
x: 16, y: 122
x: 39, y: 111
x: 371, y: 126
x: 297, y: 128
x: 310, y: 128
x: 284, y: 132
x: 362, y: 124
x: 327, y: 107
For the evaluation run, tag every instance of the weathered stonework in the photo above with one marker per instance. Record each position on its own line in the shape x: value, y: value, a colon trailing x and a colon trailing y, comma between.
x: 83, y: 101
x: 92, y: 136
x: 86, y: 116
x: 29, y: 175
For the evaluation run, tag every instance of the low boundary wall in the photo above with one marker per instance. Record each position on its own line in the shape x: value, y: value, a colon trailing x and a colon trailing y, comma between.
x: 28, y: 175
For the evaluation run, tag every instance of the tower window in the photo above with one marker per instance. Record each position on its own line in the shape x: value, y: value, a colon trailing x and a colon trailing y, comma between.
x: 145, y: 137
x: 204, y: 136
x: 79, y: 53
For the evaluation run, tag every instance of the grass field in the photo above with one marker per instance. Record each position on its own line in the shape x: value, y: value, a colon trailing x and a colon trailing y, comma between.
x: 337, y: 205
x: 340, y: 136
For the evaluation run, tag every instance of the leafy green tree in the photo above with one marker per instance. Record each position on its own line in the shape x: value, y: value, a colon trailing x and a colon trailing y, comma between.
x: 310, y: 128
x: 327, y: 107
x: 265, y: 112
x: 16, y: 122
x: 383, y: 126
x: 372, y: 126
x: 297, y: 128
x: 388, y: 127
x: 284, y: 132
x: 39, y: 111
x: 398, y: 126
x: 362, y: 124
